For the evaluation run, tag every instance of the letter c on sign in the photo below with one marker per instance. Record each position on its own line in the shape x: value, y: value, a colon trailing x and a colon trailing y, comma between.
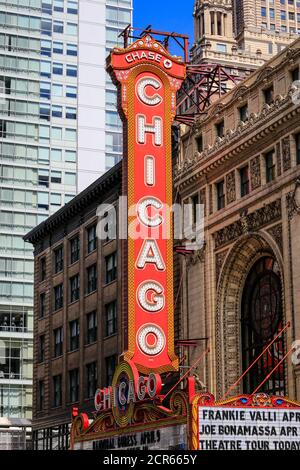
x: 142, y: 211
x: 144, y: 97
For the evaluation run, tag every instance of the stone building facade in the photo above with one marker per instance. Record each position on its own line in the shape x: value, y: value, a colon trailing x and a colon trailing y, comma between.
x: 242, y: 287
x: 77, y: 314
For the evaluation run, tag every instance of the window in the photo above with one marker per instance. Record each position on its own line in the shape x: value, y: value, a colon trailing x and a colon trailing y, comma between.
x: 111, y: 267
x: 195, y: 202
x: 91, y: 379
x: 111, y: 318
x: 243, y: 110
x: 42, y: 348
x: 71, y: 92
x: 45, y: 90
x: 43, y: 178
x: 58, y: 47
x: 270, y: 48
x: 270, y: 166
x: 263, y: 11
x: 41, y: 395
x: 56, y: 111
x: 70, y: 156
x: 91, y: 239
x: 70, y: 179
x: 110, y: 363
x: 46, y: 26
x: 298, y: 148
x: 56, y: 133
x: 55, y: 199
x: 74, y: 249
x: 71, y: 70
x: 91, y: 319
x: 91, y: 279
x: 74, y: 385
x: 42, y: 304
x: 59, y: 259
x: 269, y: 95
x: 262, y: 317
x: 58, y: 5
x: 71, y: 113
x: 70, y: 134
x: 74, y: 335
x: 57, y: 68
x: 56, y: 177
x: 283, y: 15
x: 71, y: 29
x: 199, y: 143
x: 72, y: 7
x: 57, y: 390
x: 45, y: 111
x: 56, y: 155
x: 220, y: 195
x: 222, y: 48
x: 58, y: 341
x: 74, y: 288
x: 57, y: 90
x: 244, y: 179
x: 272, y: 13
x: 43, y: 269
x: 291, y: 16
x: 46, y: 48
x: 72, y: 49
x: 295, y: 74
x: 58, y: 297
x: 220, y: 129
x: 58, y: 27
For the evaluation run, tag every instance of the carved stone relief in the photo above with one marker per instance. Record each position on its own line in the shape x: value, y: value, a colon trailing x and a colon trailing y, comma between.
x: 255, y: 173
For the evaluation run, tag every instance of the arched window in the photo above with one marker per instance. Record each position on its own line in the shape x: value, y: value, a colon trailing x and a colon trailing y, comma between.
x: 261, y: 320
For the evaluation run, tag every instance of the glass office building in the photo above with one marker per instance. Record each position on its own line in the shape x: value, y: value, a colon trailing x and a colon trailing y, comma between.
x: 59, y: 130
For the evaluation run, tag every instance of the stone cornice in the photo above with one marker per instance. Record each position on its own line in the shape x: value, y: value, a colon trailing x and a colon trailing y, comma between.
x: 257, y: 127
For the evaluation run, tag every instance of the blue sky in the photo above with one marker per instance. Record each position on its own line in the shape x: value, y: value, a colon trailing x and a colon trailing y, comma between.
x: 165, y: 15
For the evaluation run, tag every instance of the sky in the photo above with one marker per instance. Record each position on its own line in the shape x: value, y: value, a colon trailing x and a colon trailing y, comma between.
x: 165, y: 15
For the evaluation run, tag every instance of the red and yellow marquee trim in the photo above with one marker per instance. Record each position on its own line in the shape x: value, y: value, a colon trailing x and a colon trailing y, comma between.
x: 148, y: 78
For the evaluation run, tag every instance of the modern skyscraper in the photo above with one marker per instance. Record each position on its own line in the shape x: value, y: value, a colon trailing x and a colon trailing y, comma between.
x: 59, y: 131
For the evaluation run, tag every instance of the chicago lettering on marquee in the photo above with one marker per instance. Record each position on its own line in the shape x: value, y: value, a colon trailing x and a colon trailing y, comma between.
x: 148, y: 78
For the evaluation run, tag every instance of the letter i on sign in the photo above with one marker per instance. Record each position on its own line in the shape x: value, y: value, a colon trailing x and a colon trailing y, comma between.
x: 147, y: 97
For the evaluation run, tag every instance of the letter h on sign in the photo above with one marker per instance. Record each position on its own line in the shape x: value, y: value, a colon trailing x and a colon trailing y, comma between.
x: 147, y: 91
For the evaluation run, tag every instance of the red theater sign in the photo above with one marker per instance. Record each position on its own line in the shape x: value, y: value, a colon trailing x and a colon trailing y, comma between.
x: 148, y: 78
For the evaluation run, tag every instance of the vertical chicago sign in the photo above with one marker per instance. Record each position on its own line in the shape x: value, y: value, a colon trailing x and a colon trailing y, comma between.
x: 148, y: 78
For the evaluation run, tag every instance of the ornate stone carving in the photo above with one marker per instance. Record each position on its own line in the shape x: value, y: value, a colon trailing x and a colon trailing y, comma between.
x: 220, y: 257
x: 255, y: 172
x: 278, y: 158
x: 230, y: 187
x: 293, y: 200
x: 286, y: 154
x: 195, y: 257
x: 265, y: 74
x: 276, y: 233
x: 249, y: 222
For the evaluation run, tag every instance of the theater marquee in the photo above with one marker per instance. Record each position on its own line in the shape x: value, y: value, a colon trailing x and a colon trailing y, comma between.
x: 258, y: 422
x: 148, y: 78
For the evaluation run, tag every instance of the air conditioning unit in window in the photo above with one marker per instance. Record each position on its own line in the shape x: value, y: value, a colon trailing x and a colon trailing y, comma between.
x: 235, y: 72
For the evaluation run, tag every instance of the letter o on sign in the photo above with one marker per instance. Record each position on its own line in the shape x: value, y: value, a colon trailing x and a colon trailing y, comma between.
x: 153, y: 385
x: 167, y: 64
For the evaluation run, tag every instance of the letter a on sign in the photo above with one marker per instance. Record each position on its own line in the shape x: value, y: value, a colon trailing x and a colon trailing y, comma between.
x: 148, y: 78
